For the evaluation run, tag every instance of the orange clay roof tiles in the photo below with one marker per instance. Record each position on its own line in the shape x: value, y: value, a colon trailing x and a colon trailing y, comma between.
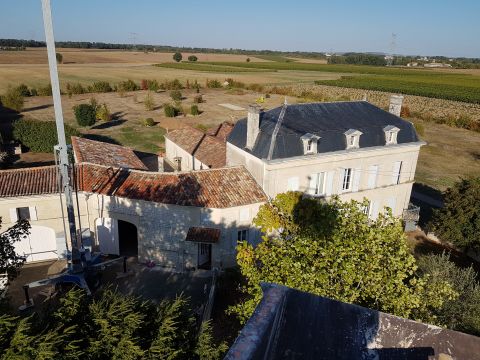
x: 101, y: 153
x: 214, y: 188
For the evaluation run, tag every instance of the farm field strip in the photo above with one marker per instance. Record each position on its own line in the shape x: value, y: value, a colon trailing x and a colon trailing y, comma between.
x: 210, y: 67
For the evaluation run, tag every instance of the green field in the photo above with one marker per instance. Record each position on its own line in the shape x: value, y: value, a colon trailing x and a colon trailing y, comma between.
x: 428, y: 83
x: 210, y: 67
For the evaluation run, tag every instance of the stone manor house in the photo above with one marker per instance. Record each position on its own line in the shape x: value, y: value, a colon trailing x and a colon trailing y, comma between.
x: 193, y: 215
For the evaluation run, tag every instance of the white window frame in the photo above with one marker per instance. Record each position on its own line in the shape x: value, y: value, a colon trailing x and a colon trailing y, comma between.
x: 320, y: 184
x: 352, y: 138
x: 310, y: 143
x: 347, y: 179
x: 397, y: 172
x: 242, y: 235
x: 391, y: 134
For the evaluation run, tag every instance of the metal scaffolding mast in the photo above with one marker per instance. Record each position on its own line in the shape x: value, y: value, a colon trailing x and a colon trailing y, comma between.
x: 64, y: 165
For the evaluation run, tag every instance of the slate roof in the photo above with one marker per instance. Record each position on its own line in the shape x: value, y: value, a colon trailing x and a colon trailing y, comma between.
x: 329, y: 121
x: 291, y: 324
x: 203, y: 235
x: 215, y: 188
x: 209, y: 148
x: 102, y: 153
x: 29, y: 181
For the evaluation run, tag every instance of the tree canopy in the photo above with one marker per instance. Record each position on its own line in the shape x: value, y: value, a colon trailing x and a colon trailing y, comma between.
x: 10, y: 261
x: 177, y: 57
x: 334, y: 250
x: 458, y: 221
x: 110, y: 326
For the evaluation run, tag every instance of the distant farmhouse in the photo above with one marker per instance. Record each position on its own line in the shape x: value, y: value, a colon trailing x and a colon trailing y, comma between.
x: 193, y: 215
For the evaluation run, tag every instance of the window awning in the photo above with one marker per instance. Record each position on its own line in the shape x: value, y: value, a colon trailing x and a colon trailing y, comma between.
x: 203, y: 235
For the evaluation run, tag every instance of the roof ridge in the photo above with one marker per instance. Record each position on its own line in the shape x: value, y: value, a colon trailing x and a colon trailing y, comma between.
x: 29, y: 168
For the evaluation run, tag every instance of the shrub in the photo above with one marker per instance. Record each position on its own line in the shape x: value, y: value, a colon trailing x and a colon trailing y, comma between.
x: 85, y: 114
x: 23, y: 89
x: 101, y: 87
x: 177, y: 57
x: 103, y: 113
x: 247, y: 60
x: 45, y: 90
x: 234, y: 84
x: 170, y: 110
x: 213, y: 84
x: 194, y: 110
x: 192, y: 58
x: 148, y: 122
x: 40, y: 136
x: 267, y: 96
x: 13, y: 99
x: 128, y: 85
x: 149, y: 103
x: 176, y: 95
x: 59, y: 58
x: 198, y: 99
x: 75, y: 89
x: 33, y: 92
x: 143, y: 84
x: 405, y: 111
x: 171, y: 85
x: 153, y: 85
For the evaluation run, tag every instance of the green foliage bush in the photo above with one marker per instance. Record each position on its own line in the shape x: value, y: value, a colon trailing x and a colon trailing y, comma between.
x: 174, y: 84
x: 234, y: 84
x: 75, y: 89
x: 40, y: 136
x: 59, y: 58
x: 85, y: 114
x: 149, y: 102
x: 192, y: 58
x: 148, y: 122
x: 332, y: 249
x: 24, y: 90
x: 170, y: 110
x: 100, y: 87
x: 194, y: 110
x: 176, y: 95
x: 177, y: 57
x: 45, y: 90
x: 213, y: 84
x: 13, y: 99
x: 458, y: 221
x: 198, y: 99
x: 103, y: 113
x: 128, y: 85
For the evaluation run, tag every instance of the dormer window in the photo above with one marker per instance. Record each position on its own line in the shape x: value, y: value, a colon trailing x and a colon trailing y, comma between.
x: 391, y: 133
x: 310, y: 142
x: 353, y: 138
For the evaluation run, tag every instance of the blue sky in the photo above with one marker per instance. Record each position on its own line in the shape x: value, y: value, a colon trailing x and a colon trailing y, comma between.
x: 425, y: 27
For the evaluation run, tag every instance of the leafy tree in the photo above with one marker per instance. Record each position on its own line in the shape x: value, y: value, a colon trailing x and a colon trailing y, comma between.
x: 462, y: 313
x: 148, y: 122
x: 177, y: 57
x: 10, y: 261
x: 194, y: 110
x: 334, y: 250
x: 170, y: 110
x: 176, y: 95
x: 59, y: 58
x: 248, y: 60
x: 85, y: 114
x: 458, y: 221
x: 149, y: 103
x: 24, y: 90
x: 109, y: 326
x: 192, y: 58
x: 13, y: 99
x: 40, y: 136
x: 206, y: 348
x: 103, y: 113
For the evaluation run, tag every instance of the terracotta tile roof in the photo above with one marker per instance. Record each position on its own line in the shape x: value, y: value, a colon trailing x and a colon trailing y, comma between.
x: 221, y: 131
x: 208, y: 148
x: 29, y: 181
x: 214, y: 188
x: 203, y: 235
x: 102, y: 153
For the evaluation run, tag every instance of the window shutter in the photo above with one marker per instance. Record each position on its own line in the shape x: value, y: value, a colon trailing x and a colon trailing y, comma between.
x: 329, y: 185
x: 356, y: 179
x: 396, y: 171
x: 33, y: 213
x: 292, y: 184
x: 374, y: 209
x: 13, y: 215
x: 372, y: 176
x: 313, y: 184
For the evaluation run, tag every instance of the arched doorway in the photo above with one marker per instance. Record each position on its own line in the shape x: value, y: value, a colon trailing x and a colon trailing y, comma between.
x: 127, y: 238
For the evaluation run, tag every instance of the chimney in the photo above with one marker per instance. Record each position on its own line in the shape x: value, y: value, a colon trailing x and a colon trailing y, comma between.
x: 253, y: 125
x: 396, y: 104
